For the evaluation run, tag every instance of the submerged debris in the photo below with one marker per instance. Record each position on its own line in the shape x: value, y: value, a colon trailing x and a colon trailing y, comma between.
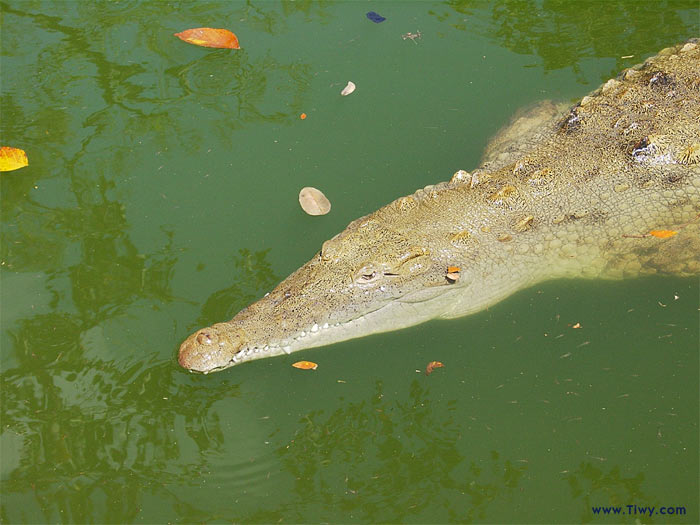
x: 375, y: 17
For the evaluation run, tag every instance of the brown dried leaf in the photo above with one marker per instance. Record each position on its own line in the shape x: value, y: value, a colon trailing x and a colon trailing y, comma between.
x: 431, y: 366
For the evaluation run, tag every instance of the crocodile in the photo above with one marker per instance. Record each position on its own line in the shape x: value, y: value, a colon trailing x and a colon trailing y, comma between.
x: 610, y: 189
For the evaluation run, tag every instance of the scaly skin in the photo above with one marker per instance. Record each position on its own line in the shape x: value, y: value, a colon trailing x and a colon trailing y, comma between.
x: 575, y: 199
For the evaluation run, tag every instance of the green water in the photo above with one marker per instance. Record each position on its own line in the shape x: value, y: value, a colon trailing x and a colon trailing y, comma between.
x: 161, y: 196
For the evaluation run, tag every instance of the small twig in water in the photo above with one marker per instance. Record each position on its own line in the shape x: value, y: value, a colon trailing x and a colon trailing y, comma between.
x: 412, y: 36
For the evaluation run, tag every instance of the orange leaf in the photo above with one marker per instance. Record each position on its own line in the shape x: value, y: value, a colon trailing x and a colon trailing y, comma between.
x: 208, y: 37
x: 302, y: 116
x: 12, y: 158
x: 452, y: 274
x: 662, y: 234
x: 305, y: 365
x: 431, y: 366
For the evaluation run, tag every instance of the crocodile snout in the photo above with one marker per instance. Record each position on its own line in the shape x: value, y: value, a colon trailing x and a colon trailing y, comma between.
x: 209, y: 349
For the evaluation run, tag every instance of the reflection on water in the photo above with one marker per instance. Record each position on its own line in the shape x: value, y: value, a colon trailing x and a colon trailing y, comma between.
x: 253, y: 274
x: 107, y: 261
x: 563, y: 33
x: 104, y: 433
x: 597, y: 486
x: 395, y: 458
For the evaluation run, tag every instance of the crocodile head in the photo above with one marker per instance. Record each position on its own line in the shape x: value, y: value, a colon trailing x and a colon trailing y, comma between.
x: 365, y: 280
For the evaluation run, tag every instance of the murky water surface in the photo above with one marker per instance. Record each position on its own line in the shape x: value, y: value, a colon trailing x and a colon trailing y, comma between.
x: 162, y: 196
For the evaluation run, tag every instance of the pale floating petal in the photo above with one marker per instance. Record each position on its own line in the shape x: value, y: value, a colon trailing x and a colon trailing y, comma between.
x: 313, y: 201
x: 348, y: 89
x: 453, y: 277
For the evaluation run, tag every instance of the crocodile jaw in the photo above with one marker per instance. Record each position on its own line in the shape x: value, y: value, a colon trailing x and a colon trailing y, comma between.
x: 246, y: 338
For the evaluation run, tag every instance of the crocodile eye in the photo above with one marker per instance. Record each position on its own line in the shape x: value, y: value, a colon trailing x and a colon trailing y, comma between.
x: 366, y: 274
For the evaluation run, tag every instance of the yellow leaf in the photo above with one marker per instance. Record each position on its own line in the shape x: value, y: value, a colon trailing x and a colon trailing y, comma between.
x: 662, y: 234
x: 305, y: 365
x: 12, y: 158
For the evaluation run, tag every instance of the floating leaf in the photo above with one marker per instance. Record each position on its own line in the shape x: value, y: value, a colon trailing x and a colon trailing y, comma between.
x: 12, y: 158
x: 375, y: 17
x: 348, y: 89
x: 302, y: 116
x: 305, y: 365
x: 431, y: 366
x: 208, y: 37
x: 452, y: 273
x: 662, y: 234
x: 313, y: 201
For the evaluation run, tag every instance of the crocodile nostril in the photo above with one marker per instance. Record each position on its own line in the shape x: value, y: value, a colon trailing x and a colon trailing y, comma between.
x: 203, y: 338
